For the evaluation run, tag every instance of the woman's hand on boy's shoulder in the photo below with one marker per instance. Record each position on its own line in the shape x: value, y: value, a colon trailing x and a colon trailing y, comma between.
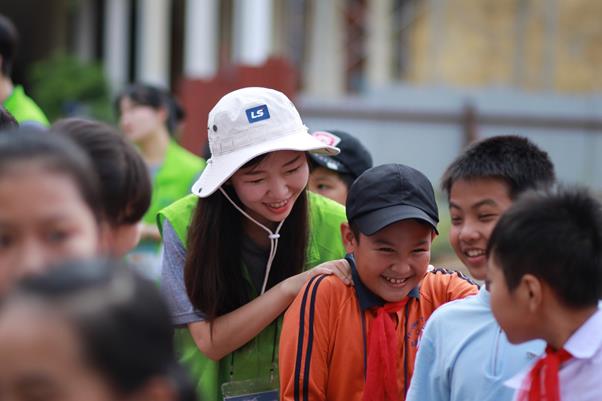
x: 339, y: 268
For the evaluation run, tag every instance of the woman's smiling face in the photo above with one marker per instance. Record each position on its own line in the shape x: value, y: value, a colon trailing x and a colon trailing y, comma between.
x: 268, y: 190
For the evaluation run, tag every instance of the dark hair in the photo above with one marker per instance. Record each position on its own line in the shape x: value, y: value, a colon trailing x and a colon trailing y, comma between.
x: 121, y: 319
x: 124, y: 180
x: 7, y: 121
x: 212, y: 273
x: 514, y: 159
x: 555, y: 235
x: 56, y: 154
x: 9, y: 38
x: 157, y: 98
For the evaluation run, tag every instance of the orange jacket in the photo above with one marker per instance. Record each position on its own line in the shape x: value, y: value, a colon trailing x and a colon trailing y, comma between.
x: 323, y: 339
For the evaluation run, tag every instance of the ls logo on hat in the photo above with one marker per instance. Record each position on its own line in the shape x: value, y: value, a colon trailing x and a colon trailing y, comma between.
x: 258, y: 113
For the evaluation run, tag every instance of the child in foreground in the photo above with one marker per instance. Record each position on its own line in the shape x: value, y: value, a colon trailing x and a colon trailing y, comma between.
x: 125, y: 188
x: 545, y: 279
x: 359, y: 343
x: 463, y: 354
x: 50, y: 207
x: 88, y: 331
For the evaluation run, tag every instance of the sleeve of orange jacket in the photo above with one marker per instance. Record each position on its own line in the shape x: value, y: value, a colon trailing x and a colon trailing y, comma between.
x: 304, y: 343
x: 460, y: 286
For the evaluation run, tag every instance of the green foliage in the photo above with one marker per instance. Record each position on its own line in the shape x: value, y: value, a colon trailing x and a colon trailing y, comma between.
x: 64, y: 86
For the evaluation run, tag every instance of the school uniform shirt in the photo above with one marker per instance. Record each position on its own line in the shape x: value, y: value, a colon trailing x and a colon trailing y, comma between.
x: 580, y: 378
x: 326, y: 329
x: 463, y: 355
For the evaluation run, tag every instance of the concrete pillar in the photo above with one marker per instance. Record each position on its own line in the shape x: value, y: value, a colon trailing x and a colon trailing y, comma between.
x: 201, y: 39
x: 116, y: 42
x: 324, y: 73
x: 253, y: 27
x: 85, y: 27
x: 153, y: 42
x: 379, y: 43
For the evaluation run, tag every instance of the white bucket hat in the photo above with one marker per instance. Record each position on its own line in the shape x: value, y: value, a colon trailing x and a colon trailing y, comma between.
x: 249, y: 122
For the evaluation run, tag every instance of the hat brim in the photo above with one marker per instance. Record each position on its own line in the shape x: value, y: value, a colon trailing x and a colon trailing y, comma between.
x: 329, y: 163
x: 220, y: 168
x: 374, y: 221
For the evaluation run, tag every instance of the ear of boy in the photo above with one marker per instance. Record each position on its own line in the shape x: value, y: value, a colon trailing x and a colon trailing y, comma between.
x: 349, y: 240
x: 532, y: 293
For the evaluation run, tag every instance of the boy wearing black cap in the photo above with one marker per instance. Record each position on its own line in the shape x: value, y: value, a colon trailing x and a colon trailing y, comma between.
x: 331, y: 176
x: 359, y: 343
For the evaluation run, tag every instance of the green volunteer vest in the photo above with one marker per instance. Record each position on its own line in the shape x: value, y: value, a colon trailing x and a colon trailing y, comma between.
x: 172, y: 182
x: 255, y: 358
x: 23, y: 108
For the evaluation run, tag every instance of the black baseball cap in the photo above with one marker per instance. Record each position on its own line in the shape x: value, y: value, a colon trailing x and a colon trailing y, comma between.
x: 353, y: 159
x: 389, y: 193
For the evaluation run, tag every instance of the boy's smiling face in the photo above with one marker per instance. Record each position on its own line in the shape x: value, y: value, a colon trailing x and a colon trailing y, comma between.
x: 392, y: 262
x: 475, y: 206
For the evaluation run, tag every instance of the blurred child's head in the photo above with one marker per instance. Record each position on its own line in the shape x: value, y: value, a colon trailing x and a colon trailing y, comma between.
x: 482, y: 183
x: 331, y: 176
x: 144, y: 110
x: 50, y: 207
x: 88, y: 331
x: 392, y: 219
x: 123, y: 176
x: 545, y: 250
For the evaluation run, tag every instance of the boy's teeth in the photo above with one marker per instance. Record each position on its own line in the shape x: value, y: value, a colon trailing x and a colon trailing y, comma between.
x: 395, y: 280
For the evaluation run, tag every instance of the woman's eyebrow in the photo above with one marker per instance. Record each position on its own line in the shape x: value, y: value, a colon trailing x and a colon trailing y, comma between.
x: 293, y: 160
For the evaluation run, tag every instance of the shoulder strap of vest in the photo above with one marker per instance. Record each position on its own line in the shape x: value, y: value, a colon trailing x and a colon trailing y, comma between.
x: 179, y: 215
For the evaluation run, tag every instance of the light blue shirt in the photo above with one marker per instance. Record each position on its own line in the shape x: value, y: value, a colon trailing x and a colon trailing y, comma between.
x: 464, y: 355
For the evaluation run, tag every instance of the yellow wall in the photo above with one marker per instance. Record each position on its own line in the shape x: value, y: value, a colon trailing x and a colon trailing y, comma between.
x: 476, y: 43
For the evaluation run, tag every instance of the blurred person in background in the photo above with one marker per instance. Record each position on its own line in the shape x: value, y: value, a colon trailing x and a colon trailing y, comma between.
x: 12, y: 96
x: 148, y: 117
x: 50, y: 207
x: 90, y: 331
x: 331, y: 176
x: 123, y: 177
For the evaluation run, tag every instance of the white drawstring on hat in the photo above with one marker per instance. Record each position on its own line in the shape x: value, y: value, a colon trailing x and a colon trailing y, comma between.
x: 273, y: 236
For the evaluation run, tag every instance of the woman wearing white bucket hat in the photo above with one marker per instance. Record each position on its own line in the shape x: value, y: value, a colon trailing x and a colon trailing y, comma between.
x: 236, y: 250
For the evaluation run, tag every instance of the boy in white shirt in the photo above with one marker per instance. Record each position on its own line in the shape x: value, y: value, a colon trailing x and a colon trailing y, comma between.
x: 545, y: 279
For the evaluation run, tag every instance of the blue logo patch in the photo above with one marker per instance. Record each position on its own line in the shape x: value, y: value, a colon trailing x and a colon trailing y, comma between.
x: 258, y: 113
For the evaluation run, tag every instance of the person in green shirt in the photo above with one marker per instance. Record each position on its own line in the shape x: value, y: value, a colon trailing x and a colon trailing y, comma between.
x: 238, y: 250
x: 12, y: 96
x: 148, y: 117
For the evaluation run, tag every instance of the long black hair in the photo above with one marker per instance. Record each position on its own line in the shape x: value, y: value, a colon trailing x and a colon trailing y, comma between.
x: 120, y: 318
x: 213, y: 270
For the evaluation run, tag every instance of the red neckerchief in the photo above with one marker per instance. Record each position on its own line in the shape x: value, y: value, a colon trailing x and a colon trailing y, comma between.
x: 544, y: 376
x: 381, y: 375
